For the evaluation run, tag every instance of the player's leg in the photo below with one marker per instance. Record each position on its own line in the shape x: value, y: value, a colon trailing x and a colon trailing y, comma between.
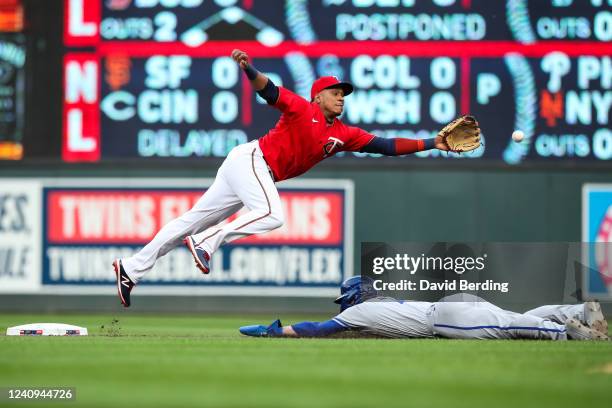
x: 218, y: 203
x: 558, y: 313
x: 482, y: 320
x: 249, y: 178
x: 589, y: 313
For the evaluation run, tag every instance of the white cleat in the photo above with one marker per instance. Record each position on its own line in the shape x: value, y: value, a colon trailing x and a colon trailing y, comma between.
x: 578, y: 331
x: 594, y: 318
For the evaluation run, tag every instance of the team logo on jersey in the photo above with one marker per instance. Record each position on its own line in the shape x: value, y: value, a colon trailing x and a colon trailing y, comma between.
x: 331, y: 146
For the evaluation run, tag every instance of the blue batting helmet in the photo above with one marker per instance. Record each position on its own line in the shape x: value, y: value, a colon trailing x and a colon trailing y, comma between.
x: 355, y: 290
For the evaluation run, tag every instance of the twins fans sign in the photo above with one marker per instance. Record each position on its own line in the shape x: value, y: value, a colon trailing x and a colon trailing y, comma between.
x: 86, y: 224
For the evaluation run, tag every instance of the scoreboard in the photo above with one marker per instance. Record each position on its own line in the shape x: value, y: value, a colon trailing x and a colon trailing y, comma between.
x: 153, y: 78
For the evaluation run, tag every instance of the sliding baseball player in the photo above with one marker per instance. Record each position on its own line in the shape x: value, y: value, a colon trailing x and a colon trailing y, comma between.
x: 467, y: 317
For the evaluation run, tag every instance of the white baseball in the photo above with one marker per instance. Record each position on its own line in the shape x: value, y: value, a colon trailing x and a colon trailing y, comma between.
x: 518, y: 136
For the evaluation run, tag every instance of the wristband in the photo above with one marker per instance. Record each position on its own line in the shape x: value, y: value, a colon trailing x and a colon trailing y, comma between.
x: 250, y: 72
x: 429, y: 143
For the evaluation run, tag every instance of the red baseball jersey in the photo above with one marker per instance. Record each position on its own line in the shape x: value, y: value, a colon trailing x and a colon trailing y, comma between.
x: 302, y: 138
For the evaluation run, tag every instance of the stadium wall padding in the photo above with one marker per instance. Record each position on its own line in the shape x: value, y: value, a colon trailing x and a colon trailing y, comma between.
x: 391, y: 204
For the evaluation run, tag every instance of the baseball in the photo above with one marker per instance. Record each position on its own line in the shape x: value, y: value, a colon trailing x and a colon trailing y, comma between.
x: 518, y: 136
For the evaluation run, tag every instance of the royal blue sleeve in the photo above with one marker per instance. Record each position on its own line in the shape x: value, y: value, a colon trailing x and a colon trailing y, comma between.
x: 398, y: 146
x: 316, y: 329
x: 380, y: 145
x: 269, y: 92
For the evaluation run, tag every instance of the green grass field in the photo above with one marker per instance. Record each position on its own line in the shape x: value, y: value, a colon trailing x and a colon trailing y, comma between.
x: 189, y: 361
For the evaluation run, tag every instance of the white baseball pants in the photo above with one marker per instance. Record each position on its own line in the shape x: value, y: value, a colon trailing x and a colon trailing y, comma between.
x: 242, y: 179
x: 483, y: 320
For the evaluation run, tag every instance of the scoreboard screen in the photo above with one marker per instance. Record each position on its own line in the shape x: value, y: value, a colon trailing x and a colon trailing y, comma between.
x: 153, y: 78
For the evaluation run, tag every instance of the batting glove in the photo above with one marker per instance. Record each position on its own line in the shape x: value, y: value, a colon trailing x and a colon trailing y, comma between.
x: 273, y: 330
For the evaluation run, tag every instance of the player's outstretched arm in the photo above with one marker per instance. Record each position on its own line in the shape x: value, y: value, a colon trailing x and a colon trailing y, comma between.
x: 303, y: 329
x: 460, y: 135
x: 401, y: 146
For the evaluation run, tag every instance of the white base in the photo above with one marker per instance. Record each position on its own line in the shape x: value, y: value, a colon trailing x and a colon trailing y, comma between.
x: 46, y: 329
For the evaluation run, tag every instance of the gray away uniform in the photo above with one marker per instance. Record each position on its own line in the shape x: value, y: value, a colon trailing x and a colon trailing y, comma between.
x: 457, y: 320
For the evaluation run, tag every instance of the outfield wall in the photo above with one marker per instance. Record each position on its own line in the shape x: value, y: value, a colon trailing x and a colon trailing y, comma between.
x: 390, y: 204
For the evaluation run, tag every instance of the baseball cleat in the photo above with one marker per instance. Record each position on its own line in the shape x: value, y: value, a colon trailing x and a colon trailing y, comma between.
x: 124, y: 283
x: 201, y: 257
x: 594, y: 318
x: 578, y: 331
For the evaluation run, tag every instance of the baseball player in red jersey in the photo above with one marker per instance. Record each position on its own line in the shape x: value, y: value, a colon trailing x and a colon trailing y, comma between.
x: 306, y: 133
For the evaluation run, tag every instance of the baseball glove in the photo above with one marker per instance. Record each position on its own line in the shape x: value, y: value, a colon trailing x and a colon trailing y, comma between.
x: 461, y: 135
x: 258, y: 330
